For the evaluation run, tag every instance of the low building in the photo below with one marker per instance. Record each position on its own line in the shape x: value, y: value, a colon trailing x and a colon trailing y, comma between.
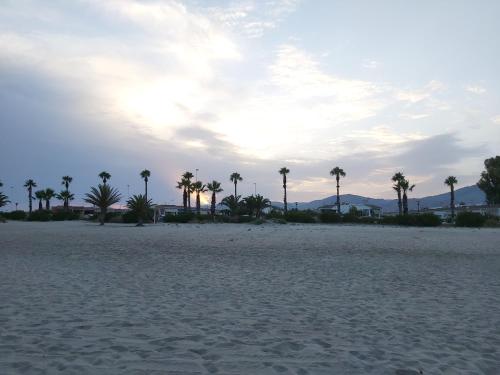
x: 483, y: 209
x: 363, y: 210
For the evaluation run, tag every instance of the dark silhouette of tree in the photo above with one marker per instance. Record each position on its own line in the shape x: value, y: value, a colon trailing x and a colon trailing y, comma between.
x: 215, y: 188
x: 4, y: 200
x: 199, y: 188
x: 256, y: 204
x: 233, y: 203
x: 40, y: 195
x: 235, y: 178
x: 66, y: 197
x: 405, y: 188
x: 48, y: 195
x: 140, y: 206
x: 490, y: 180
x: 397, y: 178
x: 338, y: 172
x: 29, y: 185
x: 183, y: 185
x: 187, y: 176
x: 145, y: 174
x: 284, y: 171
x: 105, y: 176
x: 451, y: 181
x: 66, y: 180
x: 103, y: 197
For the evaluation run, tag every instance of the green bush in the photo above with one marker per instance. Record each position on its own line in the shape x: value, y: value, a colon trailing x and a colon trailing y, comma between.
x: 15, y: 215
x: 300, y: 217
x: 419, y: 220
x: 470, y: 219
x: 179, y: 218
x: 369, y: 220
x: 329, y: 217
x: 492, y: 222
x: 351, y: 218
x: 130, y: 217
x: 275, y: 214
x: 64, y: 215
x: 40, y: 216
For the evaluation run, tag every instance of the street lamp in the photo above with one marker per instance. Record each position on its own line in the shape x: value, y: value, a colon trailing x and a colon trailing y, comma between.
x: 255, y: 188
x: 196, y: 175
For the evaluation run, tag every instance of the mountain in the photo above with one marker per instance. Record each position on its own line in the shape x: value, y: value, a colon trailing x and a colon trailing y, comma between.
x: 470, y: 195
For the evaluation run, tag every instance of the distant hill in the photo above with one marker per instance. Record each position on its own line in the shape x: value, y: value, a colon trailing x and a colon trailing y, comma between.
x: 469, y: 195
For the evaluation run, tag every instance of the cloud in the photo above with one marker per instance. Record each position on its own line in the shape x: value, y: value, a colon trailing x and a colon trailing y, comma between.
x: 475, y: 89
x: 370, y: 64
x: 496, y: 120
x: 416, y: 96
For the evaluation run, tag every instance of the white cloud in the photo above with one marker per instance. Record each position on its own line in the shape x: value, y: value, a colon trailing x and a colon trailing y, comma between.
x: 496, y: 120
x: 418, y: 95
x: 370, y: 64
x: 475, y: 89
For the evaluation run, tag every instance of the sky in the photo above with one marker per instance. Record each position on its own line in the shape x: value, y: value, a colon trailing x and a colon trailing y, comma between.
x: 248, y: 86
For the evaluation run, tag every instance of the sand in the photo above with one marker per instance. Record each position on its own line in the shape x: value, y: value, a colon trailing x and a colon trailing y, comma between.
x: 76, y: 298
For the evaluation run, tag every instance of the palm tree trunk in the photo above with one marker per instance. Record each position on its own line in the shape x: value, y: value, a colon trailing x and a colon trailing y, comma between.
x: 338, y: 194
x: 40, y: 206
x: 284, y: 196
x: 146, y: 189
x: 198, y: 205
x: 189, y: 200
x: 140, y: 221
x: 400, y: 204
x: 102, y: 216
x: 235, y: 183
x: 29, y: 200
x: 47, y: 204
x: 405, y: 203
x: 452, y: 203
x: 184, y: 199
x: 212, y: 206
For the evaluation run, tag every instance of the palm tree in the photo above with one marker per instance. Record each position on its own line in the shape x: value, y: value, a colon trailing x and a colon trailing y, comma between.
x: 140, y: 206
x: 235, y: 178
x: 145, y: 174
x: 49, y: 194
x: 30, y: 184
x: 189, y: 189
x: 105, y: 176
x: 405, y: 187
x: 215, y: 188
x: 40, y: 195
x: 397, y: 178
x: 65, y: 196
x: 256, y: 203
x: 451, y: 181
x: 66, y: 180
x: 284, y: 171
x: 182, y: 185
x: 198, y: 188
x: 338, y: 172
x: 233, y: 203
x: 103, y: 196
x: 4, y: 200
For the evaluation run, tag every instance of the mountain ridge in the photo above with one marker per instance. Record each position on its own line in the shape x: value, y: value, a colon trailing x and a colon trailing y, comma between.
x: 470, y: 195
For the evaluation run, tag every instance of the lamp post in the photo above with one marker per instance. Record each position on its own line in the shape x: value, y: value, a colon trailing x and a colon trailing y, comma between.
x: 196, y: 175
x: 255, y: 188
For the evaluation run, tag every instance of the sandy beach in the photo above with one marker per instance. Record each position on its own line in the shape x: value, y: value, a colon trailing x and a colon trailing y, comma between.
x: 76, y: 298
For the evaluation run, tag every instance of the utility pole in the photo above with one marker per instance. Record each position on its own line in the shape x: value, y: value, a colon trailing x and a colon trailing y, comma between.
x: 255, y: 188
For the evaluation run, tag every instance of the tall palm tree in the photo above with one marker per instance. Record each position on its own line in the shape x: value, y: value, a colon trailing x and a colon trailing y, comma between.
x: 338, y: 172
x: 103, y: 197
x: 235, y: 178
x: 140, y: 206
x: 105, y: 176
x: 189, y: 189
x: 49, y: 194
x: 405, y: 187
x: 145, y: 174
x: 65, y: 196
x: 284, y: 171
x: 451, y: 181
x: 199, y: 188
x: 30, y: 184
x: 233, y: 203
x: 256, y: 203
x: 397, y: 178
x: 4, y: 200
x: 182, y: 185
x: 40, y: 195
x: 66, y: 180
x: 215, y: 188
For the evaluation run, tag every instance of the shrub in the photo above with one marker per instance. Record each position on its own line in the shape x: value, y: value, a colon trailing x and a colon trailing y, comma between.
x: 329, y: 217
x: 427, y: 220
x: 64, y: 215
x: 275, y: 214
x: 369, y: 220
x: 419, y: 220
x: 179, y: 218
x: 130, y: 217
x: 15, y: 215
x: 492, y: 222
x: 40, y: 216
x: 470, y: 219
x: 350, y: 218
x: 300, y: 217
